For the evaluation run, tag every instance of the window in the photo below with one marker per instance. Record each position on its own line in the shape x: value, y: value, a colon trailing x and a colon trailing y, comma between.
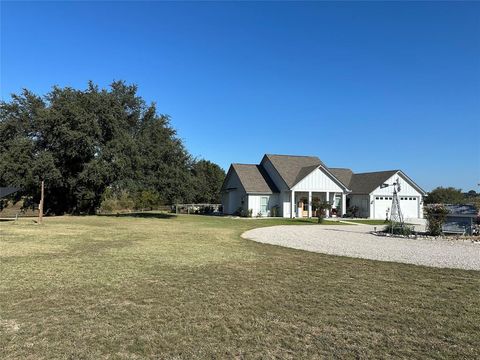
x: 263, y: 204
x: 377, y: 198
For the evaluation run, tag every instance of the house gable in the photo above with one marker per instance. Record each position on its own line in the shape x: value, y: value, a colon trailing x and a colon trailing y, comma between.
x: 232, y: 181
x: 407, y: 186
x: 319, y: 180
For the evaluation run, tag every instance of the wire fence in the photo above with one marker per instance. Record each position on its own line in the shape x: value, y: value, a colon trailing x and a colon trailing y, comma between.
x: 201, y: 209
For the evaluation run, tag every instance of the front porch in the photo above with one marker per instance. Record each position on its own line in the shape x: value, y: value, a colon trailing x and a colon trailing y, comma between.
x: 305, y: 203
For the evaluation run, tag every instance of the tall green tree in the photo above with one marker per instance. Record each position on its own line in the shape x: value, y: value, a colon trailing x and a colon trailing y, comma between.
x: 82, y: 142
x: 441, y: 195
x: 207, y: 179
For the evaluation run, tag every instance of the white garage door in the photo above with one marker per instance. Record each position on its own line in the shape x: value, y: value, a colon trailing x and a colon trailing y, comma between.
x: 409, y: 206
x: 383, y: 205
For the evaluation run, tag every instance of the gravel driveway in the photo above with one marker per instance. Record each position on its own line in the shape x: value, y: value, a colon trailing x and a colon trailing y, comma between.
x: 356, y: 241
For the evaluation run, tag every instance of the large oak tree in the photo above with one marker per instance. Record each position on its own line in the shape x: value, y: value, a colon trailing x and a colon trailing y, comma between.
x: 82, y: 142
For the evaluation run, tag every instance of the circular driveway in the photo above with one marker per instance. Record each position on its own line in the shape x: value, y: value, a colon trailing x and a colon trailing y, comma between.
x: 356, y: 241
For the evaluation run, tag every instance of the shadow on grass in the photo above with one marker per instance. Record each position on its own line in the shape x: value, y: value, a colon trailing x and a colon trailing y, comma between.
x: 146, y: 215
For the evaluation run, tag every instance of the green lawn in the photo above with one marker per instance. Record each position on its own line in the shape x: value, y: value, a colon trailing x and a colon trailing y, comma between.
x: 189, y: 287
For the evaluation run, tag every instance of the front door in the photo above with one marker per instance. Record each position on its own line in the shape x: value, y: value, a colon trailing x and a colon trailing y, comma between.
x: 303, y: 207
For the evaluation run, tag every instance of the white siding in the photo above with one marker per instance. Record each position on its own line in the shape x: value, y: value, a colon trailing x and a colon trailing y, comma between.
x: 233, y: 199
x: 285, y: 204
x: 254, y: 203
x: 406, y: 188
x: 318, y: 181
x: 283, y: 198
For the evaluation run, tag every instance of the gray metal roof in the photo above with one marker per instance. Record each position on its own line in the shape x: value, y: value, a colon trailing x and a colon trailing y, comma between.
x: 254, y: 179
x: 462, y: 210
x: 293, y: 168
x: 5, y: 191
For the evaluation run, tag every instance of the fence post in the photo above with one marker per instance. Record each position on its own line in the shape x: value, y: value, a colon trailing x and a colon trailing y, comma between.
x: 40, y: 208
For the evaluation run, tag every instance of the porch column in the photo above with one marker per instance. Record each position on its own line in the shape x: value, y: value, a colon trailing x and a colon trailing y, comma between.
x: 327, y: 212
x: 309, y: 204
x: 344, y: 204
x: 292, y: 204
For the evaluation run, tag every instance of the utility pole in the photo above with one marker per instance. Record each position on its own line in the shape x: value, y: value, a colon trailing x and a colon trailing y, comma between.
x: 40, y: 206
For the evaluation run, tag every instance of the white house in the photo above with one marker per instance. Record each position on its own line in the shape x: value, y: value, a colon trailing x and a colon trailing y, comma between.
x: 290, y: 186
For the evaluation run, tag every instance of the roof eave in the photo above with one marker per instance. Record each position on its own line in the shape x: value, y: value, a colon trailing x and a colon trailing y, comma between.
x: 261, y: 192
x: 423, y: 192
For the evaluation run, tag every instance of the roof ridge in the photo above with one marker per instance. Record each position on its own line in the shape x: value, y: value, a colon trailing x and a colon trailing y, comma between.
x: 338, y: 168
x: 307, y: 156
x: 377, y: 172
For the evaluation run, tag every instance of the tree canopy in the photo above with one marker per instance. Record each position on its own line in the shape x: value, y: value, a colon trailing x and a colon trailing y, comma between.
x: 441, y: 195
x: 208, y: 181
x: 83, y: 142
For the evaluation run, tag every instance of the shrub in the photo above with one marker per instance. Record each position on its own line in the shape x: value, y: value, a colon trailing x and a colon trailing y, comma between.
x: 352, y: 211
x: 435, y: 215
x: 398, y: 229
x: 321, y: 207
x: 246, y: 213
x: 123, y: 200
x: 146, y: 199
x: 275, y: 211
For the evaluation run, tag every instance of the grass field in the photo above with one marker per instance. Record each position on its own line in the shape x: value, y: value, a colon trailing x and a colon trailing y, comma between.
x: 190, y: 287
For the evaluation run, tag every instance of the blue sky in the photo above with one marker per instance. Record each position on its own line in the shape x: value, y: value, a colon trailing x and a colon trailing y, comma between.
x: 369, y: 86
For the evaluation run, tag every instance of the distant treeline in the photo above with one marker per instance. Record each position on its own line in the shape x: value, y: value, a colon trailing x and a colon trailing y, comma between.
x: 98, y: 145
x: 450, y: 195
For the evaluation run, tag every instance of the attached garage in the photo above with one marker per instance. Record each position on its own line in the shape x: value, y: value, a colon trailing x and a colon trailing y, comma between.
x: 375, y: 201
